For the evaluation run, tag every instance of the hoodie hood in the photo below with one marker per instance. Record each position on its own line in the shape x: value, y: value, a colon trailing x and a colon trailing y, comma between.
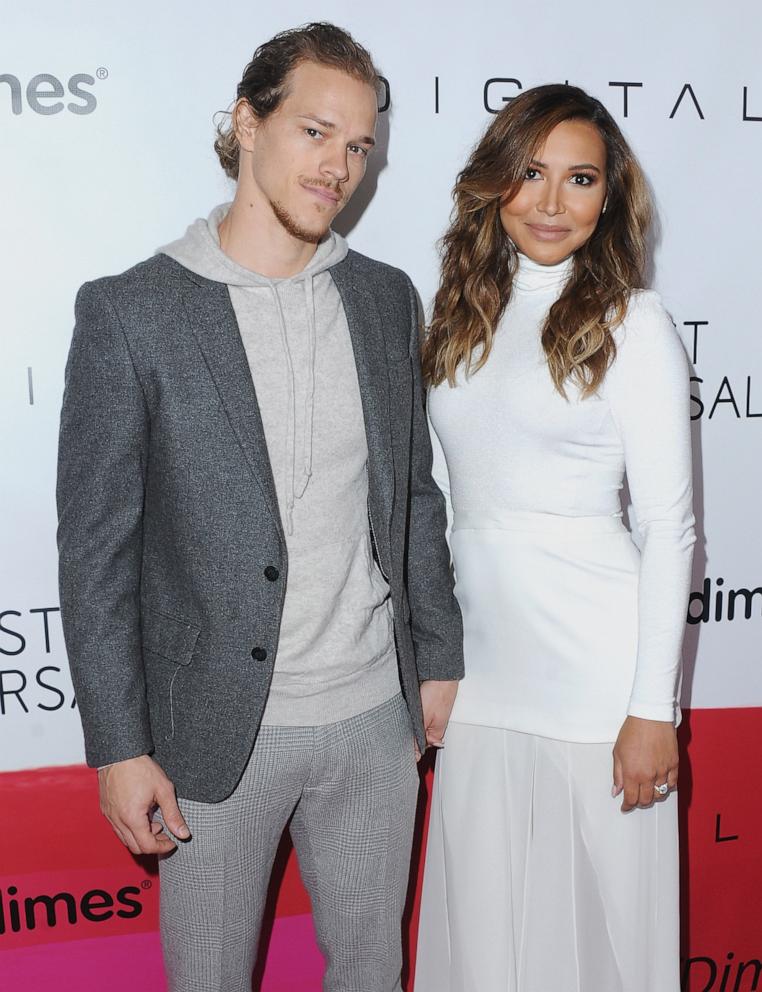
x: 293, y: 308
x: 199, y: 250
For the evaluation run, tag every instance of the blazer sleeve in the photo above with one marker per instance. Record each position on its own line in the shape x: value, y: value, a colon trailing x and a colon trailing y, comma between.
x: 100, y: 491
x: 434, y: 612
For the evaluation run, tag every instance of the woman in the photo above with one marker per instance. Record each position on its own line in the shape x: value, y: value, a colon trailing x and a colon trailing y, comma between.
x: 552, y: 372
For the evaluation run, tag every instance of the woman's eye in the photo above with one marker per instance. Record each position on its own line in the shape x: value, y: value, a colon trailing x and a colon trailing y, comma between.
x: 312, y: 132
x: 531, y: 174
x: 582, y: 179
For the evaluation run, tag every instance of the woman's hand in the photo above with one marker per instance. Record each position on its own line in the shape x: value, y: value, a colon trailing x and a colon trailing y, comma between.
x: 645, y: 755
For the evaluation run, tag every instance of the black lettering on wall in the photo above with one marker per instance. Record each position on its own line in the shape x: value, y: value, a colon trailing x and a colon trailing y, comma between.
x: 488, y: 106
x: 730, y: 398
x: 13, y: 633
x: 386, y: 100
x: 50, y: 688
x: 626, y: 95
x: 746, y: 115
x: 687, y: 89
x: 5, y: 691
x: 44, y: 610
x: 49, y: 903
x: 695, y: 324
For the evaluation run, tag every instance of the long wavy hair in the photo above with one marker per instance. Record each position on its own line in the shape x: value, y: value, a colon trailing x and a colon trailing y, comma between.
x: 479, y: 260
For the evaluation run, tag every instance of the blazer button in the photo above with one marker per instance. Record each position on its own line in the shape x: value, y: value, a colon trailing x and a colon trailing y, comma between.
x: 258, y: 654
x: 271, y: 573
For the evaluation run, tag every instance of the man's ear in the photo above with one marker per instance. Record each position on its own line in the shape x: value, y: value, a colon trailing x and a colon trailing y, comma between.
x: 245, y: 123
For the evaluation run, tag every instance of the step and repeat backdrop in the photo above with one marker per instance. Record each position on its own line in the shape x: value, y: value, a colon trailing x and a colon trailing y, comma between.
x: 106, y: 120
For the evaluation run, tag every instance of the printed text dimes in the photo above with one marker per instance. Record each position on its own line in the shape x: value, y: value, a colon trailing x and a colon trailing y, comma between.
x: 45, y: 93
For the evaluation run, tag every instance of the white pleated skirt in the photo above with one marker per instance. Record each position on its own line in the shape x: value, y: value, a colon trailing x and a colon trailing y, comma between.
x: 535, y: 881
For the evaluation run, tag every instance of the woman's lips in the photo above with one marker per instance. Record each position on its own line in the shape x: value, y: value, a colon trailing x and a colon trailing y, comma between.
x: 548, y: 232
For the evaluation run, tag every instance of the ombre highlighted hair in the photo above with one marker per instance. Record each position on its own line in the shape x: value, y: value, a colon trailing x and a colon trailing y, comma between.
x: 479, y: 260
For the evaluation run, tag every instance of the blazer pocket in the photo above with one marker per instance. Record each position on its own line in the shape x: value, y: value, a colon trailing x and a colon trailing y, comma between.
x: 168, y: 637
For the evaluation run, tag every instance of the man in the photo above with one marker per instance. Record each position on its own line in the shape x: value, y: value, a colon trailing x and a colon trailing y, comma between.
x: 255, y: 584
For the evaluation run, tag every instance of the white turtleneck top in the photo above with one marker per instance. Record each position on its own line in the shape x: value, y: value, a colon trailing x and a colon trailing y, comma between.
x: 505, y: 440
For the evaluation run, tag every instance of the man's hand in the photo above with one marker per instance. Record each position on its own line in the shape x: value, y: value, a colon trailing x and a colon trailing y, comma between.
x: 437, y: 699
x: 645, y: 755
x: 130, y: 791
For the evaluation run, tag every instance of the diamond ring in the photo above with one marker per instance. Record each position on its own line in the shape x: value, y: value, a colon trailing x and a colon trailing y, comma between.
x: 662, y: 789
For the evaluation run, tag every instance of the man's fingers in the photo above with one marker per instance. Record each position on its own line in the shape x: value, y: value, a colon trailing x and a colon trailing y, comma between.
x: 126, y: 836
x: 147, y: 842
x: 437, y: 700
x: 171, y: 814
x: 435, y: 732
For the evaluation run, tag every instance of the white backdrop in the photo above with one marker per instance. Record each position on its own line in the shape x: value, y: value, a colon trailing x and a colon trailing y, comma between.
x: 105, y: 152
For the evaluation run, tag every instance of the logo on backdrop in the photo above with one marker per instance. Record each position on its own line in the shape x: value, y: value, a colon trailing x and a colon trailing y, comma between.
x: 46, y: 94
x: 34, y: 633
x: 724, y: 396
x: 705, y: 974
x: 715, y: 602
x: 685, y: 101
x: 45, y: 911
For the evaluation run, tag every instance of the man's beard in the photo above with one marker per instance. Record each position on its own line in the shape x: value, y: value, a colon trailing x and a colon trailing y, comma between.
x: 293, y: 227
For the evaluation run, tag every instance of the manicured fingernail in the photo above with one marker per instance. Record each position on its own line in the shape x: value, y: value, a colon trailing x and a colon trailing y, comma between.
x: 613, y: 791
x: 183, y: 832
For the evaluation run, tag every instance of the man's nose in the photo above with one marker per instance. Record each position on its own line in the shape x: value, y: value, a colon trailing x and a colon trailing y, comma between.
x: 336, y: 164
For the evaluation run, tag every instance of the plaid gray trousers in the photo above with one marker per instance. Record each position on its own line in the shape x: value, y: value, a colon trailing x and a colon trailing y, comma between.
x: 349, y: 790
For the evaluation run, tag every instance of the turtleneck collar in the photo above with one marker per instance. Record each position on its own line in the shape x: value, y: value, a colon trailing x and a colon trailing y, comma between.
x: 532, y: 277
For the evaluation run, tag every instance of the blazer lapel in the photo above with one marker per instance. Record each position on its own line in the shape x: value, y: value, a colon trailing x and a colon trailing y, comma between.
x: 215, y: 328
x: 367, y: 335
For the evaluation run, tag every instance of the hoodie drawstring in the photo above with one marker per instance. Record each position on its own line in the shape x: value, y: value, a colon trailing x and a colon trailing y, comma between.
x: 309, y: 399
x: 295, y: 488
x: 288, y: 461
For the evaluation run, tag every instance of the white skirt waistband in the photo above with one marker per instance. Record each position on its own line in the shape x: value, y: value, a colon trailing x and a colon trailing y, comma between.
x: 539, y: 523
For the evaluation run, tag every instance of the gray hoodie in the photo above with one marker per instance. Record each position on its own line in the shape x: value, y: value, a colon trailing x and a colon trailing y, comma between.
x: 336, y: 655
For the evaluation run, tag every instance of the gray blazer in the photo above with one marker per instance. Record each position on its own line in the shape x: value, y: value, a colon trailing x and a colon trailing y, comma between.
x: 169, y: 529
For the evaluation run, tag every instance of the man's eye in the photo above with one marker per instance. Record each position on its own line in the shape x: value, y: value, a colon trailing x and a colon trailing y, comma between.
x: 359, y: 150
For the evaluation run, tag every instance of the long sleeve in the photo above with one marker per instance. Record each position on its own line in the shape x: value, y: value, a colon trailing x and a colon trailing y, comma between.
x: 100, y: 494
x: 648, y: 389
x: 434, y: 612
